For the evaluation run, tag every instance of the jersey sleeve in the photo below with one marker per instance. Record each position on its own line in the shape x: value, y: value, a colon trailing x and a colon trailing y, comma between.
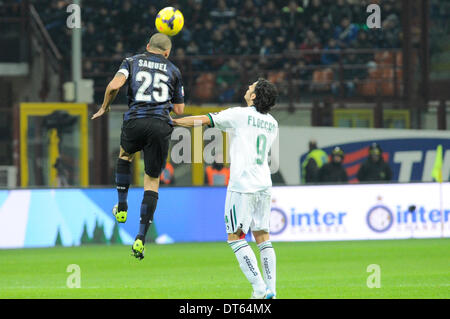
x: 225, y: 119
x: 178, y: 95
x: 125, y: 68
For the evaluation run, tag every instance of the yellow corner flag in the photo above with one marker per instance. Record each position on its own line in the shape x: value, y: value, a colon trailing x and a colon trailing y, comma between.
x: 437, y: 169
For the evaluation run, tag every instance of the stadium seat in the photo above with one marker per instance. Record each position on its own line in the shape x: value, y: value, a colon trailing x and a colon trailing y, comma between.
x: 204, y: 86
x: 384, y: 57
x: 399, y: 59
x: 375, y: 74
x: 321, y: 79
x: 276, y: 77
x: 368, y: 88
x: 317, y: 75
x: 387, y: 88
x: 328, y: 75
x: 387, y: 73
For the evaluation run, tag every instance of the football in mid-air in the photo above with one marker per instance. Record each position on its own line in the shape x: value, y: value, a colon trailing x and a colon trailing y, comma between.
x: 169, y: 21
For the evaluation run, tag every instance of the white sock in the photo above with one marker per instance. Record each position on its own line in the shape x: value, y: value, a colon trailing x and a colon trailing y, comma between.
x: 249, y: 265
x: 268, y: 264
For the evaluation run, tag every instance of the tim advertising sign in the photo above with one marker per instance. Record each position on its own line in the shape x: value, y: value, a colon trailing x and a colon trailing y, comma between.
x: 411, y: 159
x: 410, y: 153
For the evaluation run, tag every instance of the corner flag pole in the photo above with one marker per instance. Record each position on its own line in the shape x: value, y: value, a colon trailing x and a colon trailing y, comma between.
x: 442, y: 208
x: 437, y: 176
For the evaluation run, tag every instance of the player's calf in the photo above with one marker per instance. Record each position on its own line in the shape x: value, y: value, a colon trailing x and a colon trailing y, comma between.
x: 148, y: 208
x: 123, y: 180
x: 248, y: 264
x: 268, y: 263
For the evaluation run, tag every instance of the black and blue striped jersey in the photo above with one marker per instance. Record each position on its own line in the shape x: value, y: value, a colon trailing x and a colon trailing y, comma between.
x: 154, y: 84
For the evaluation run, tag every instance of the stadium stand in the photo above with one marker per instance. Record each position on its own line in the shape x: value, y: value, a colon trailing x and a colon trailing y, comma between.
x: 229, y: 27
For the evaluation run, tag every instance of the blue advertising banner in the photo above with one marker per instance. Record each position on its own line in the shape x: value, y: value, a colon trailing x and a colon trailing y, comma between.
x: 72, y: 217
x: 184, y: 214
x: 43, y: 218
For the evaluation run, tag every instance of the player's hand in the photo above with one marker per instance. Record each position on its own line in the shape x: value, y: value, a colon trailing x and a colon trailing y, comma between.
x: 100, y: 112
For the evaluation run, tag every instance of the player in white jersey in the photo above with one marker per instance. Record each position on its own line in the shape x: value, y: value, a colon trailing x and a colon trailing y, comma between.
x: 252, y: 131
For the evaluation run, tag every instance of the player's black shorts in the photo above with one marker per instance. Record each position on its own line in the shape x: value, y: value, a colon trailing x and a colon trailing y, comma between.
x: 150, y: 135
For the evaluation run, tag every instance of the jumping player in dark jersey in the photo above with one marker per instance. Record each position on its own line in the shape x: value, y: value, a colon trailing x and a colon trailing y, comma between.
x: 155, y: 88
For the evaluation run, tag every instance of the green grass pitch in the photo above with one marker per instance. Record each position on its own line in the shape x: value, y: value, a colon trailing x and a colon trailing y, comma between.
x: 409, y: 269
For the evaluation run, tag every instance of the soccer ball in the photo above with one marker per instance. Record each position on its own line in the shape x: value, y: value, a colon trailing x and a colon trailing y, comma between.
x: 169, y: 21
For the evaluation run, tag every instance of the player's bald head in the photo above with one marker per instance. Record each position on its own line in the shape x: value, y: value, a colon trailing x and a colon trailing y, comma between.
x: 160, y: 42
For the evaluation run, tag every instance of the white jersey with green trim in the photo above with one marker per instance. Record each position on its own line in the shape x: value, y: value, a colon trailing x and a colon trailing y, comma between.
x: 251, y: 136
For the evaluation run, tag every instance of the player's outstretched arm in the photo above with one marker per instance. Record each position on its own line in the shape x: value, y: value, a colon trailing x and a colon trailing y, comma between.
x: 110, y: 94
x: 191, y: 121
x: 178, y: 109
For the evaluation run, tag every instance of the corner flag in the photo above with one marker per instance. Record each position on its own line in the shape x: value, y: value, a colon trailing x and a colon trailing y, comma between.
x: 437, y: 169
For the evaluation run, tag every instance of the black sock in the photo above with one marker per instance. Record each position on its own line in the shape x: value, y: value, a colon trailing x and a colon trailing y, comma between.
x: 123, y: 180
x: 148, y: 208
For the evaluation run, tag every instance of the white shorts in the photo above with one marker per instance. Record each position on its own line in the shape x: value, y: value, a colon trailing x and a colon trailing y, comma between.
x: 247, y: 210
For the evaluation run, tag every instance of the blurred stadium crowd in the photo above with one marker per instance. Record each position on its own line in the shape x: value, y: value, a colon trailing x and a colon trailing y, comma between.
x: 253, y: 31
x: 116, y: 29
x: 236, y: 27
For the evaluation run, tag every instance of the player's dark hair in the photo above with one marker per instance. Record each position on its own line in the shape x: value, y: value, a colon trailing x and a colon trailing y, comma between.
x: 266, y: 95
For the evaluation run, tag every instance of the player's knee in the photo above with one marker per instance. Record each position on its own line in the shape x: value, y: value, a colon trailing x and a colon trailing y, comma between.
x: 236, y: 236
x: 261, y: 236
x: 126, y: 157
x: 233, y: 237
x: 151, y: 174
